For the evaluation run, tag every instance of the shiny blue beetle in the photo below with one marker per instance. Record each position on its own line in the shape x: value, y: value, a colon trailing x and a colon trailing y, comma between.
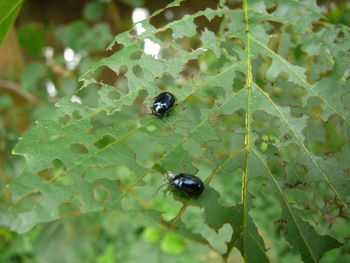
x: 187, y: 183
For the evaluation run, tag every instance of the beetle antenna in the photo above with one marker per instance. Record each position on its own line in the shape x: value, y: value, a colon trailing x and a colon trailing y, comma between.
x: 167, y: 178
x: 160, y: 187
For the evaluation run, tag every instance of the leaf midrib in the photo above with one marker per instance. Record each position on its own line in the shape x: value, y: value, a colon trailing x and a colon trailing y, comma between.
x: 248, y: 123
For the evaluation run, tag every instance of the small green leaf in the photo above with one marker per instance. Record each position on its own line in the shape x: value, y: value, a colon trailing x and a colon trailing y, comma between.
x: 185, y: 28
x: 172, y: 244
x: 152, y: 234
x: 32, y: 75
x: 93, y: 11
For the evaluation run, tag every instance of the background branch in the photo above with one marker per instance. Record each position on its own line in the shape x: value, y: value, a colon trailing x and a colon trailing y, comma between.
x: 9, y: 85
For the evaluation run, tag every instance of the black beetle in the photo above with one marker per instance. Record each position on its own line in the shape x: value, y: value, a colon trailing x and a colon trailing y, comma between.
x: 163, y: 103
x: 187, y: 183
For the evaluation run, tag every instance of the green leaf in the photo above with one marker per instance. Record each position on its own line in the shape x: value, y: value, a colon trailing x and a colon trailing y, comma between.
x: 261, y: 114
x: 9, y: 10
x: 32, y: 75
x: 31, y: 38
x: 80, y: 37
x: 172, y: 244
x: 93, y: 11
x: 152, y: 234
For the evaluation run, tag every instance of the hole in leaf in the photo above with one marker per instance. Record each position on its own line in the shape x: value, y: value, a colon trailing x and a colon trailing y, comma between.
x: 125, y: 175
x: 70, y: 208
x: 212, y: 23
x: 270, y: 9
x: 138, y: 71
x: 58, y: 164
x: 101, y: 193
x: 166, y: 80
x: 79, y: 148
x: 102, y: 122
x: 123, y: 69
x: 64, y: 119
x: 47, y: 174
x: 190, y: 69
x: 233, y: 49
x: 99, y: 122
x: 51, y: 173
x: 346, y: 100
x: 167, y: 207
x: 227, y: 183
x: 65, y: 180
x: 140, y: 99
x: 290, y: 152
x: 169, y: 52
x: 76, y: 115
x: 136, y: 55
x: 231, y: 122
x: 193, y: 218
x: 104, y: 141
x: 145, y: 148
x: 277, y: 169
x: 121, y: 84
x: 27, y: 202
x: 265, y: 123
x: 90, y: 96
x: 106, y: 75
x: 271, y: 28
x: 340, y: 38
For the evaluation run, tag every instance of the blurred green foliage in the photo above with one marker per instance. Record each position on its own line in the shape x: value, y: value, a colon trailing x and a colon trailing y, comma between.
x: 340, y: 15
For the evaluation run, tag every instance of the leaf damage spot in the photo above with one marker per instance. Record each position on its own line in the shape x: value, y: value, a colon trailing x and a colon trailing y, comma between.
x: 64, y: 180
x: 136, y: 55
x: 104, y: 141
x: 138, y: 71
x: 71, y: 207
x: 77, y: 115
x: 151, y: 128
x: 28, y: 202
x: 51, y: 173
x: 101, y: 194
x: 79, y: 148
x: 64, y: 120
